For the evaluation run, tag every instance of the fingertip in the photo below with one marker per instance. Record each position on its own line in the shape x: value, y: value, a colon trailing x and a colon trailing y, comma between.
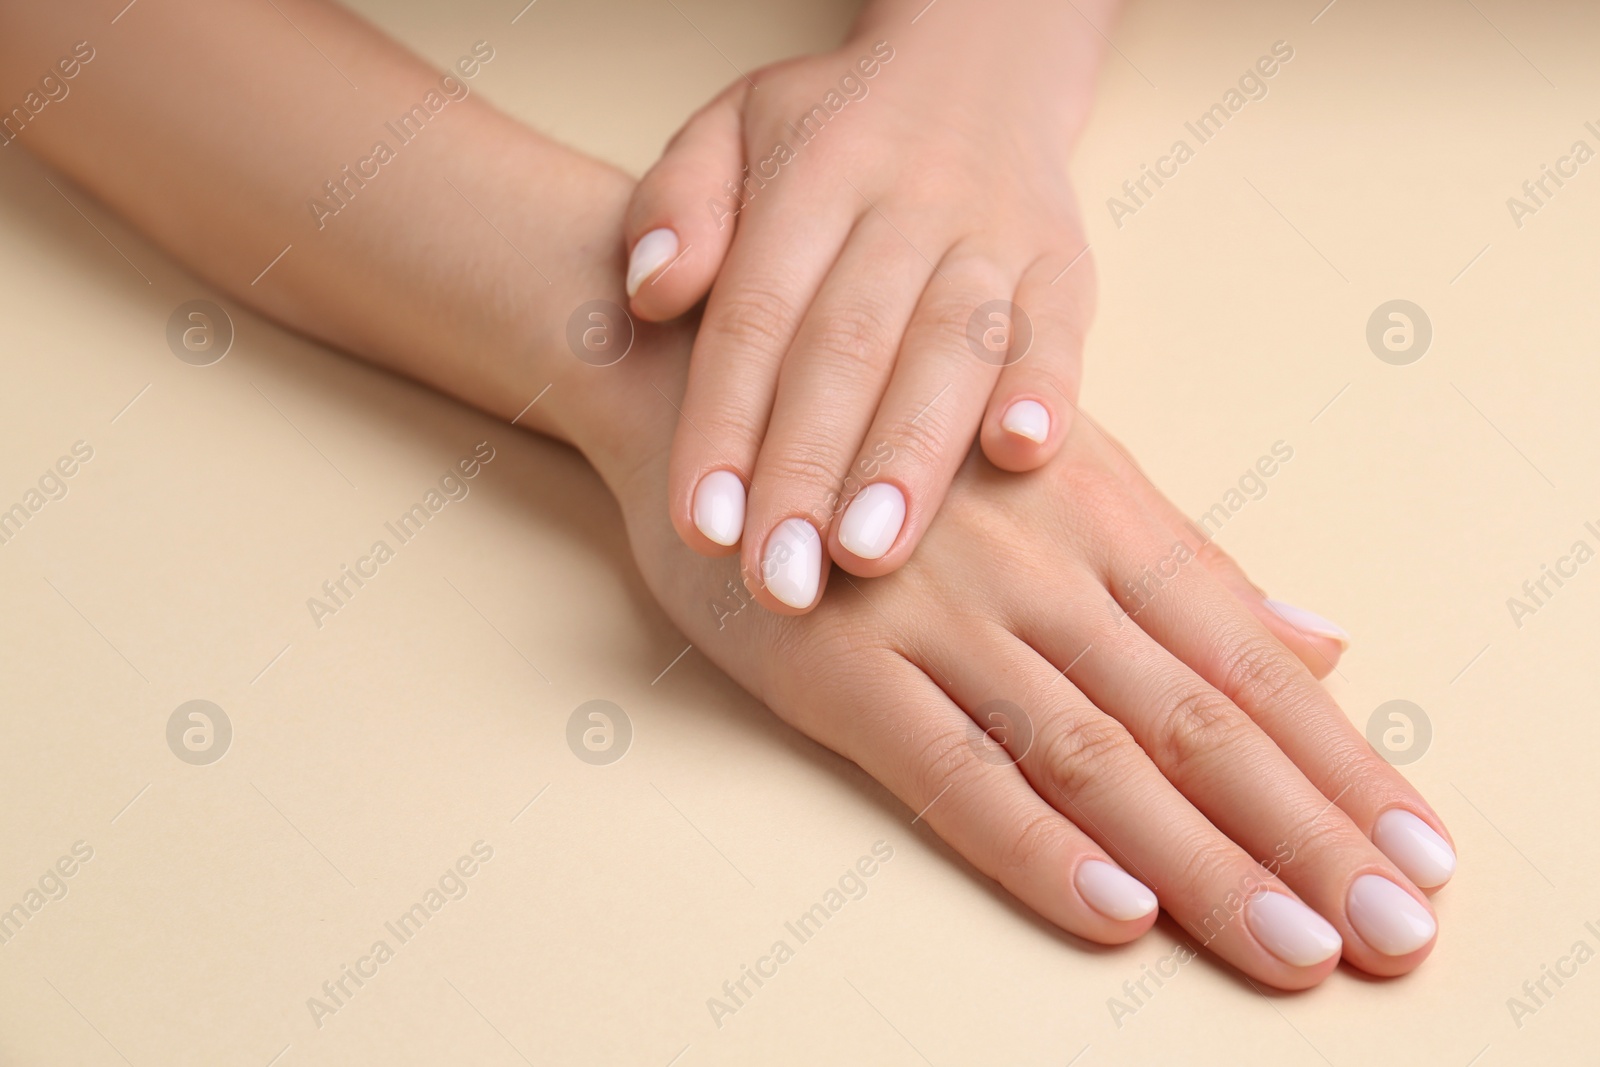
x: 652, y: 254
x: 1117, y: 895
x: 1027, y: 419
x: 674, y: 249
x: 717, y: 511
x: 1399, y: 925
x: 877, y: 532
x: 1317, y: 642
x: 1024, y: 435
x: 1424, y: 854
x: 871, y: 523
x: 792, y: 568
x: 1295, y: 935
x: 1309, y: 623
x: 1322, y: 662
x: 705, y: 499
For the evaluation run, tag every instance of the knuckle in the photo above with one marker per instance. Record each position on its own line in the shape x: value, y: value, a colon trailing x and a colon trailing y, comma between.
x: 800, y: 470
x: 1095, y: 491
x: 947, y: 310
x: 923, y: 444
x: 759, y: 317
x: 1053, y: 376
x: 1308, y: 832
x: 1084, y: 749
x: 1259, y: 672
x: 725, y: 417
x: 1076, y: 290
x: 976, y: 263
x: 945, y: 318
x: 793, y: 657
x: 1093, y: 481
x: 1203, y: 864
x: 1029, y: 842
x: 1216, y: 560
x: 1196, y: 725
x: 942, y: 762
x: 858, y: 332
x: 1058, y: 333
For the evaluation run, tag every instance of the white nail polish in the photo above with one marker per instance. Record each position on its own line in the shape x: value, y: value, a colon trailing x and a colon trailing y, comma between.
x: 719, y: 507
x: 1420, y: 853
x: 791, y: 567
x: 1291, y: 931
x: 873, y: 520
x: 1387, y: 917
x: 1027, y: 418
x: 1113, y: 892
x: 1309, y: 622
x: 654, y: 251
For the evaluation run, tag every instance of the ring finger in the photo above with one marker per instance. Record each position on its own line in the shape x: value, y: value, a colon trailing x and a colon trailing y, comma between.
x: 1089, y: 767
x: 1246, y: 785
x: 929, y: 415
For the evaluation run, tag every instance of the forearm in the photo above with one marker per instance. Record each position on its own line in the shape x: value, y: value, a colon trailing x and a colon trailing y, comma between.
x: 456, y: 261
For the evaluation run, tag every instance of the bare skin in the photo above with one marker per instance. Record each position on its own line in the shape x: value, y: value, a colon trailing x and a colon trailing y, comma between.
x: 900, y: 256
x: 1172, y: 731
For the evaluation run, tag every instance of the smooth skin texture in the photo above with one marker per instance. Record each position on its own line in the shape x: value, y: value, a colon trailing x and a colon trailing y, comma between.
x: 1175, y: 734
x: 867, y: 222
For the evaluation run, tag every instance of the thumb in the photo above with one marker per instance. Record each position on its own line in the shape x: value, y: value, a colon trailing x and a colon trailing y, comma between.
x: 681, y: 218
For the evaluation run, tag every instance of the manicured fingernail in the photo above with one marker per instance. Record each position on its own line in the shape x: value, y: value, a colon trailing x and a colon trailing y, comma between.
x: 1291, y: 931
x: 654, y: 251
x: 1027, y: 418
x: 792, y: 565
x: 1387, y: 917
x: 873, y: 520
x: 719, y: 507
x: 1112, y: 892
x: 1309, y: 622
x: 1420, y: 853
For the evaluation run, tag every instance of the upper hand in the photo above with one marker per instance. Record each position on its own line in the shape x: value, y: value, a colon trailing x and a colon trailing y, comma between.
x: 890, y: 217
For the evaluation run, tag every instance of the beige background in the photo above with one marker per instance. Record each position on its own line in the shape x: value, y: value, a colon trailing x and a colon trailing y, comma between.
x: 368, y: 755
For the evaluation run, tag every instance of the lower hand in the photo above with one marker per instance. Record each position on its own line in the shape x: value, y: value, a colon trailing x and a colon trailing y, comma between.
x: 1162, y: 745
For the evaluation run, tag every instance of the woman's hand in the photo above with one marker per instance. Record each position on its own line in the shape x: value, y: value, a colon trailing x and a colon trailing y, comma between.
x: 1089, y: 709
x: 897, y: 256
x: 1161, y: 731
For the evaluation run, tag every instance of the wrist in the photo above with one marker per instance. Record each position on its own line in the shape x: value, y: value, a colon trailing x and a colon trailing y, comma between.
x: 537, y: 335
x: 618, y: 415
x: 567, y: 360
x: 1033, y: 61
